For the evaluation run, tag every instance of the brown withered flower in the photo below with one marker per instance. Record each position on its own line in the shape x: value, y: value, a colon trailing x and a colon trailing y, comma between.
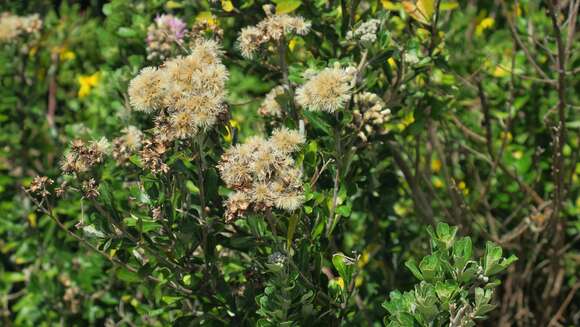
x: 152, y: 157
x: 39, y: 186
x: 90, y: 189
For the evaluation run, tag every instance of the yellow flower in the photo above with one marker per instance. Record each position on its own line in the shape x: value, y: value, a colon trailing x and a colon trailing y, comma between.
x: 436, y: 165
x: 206, y: 17
x: 518, y: 154
x: 406, y: 121
x: 437, y: 182
x: 506, y: 136
x: 364, y: 259
x: 87, y: 83
x: 392, y: 63
x: 67, y: 55
x: 32, y: 219
x: 229, y: 136
x: 483, y: 25
x: 340, y: 282
x: 389, y: 5
x: 227, y: 5
x: 463, y: 187
x: 292, y: 44
x: 358, y: 281
x: 500, y: 71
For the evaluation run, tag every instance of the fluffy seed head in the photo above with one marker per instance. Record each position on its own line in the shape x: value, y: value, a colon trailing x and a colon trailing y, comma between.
x: 272, y: 28
x: 263, y: 174
x: 271, y: 107
x: 187, y: 93
x: 144, y: 90
x: 327, y: 91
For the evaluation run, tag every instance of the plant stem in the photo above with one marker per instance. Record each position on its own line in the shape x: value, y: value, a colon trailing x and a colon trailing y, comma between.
x: 282, y: 50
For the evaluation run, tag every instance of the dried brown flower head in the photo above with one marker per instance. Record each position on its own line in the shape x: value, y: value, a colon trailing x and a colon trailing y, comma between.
x: 127, y: 144
x: 39, y: 186
x: 90, y: 189
x: 152, y: 156
x: 82, y: 156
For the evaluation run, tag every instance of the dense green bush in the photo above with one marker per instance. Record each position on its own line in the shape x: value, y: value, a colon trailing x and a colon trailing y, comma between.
x: 289, y: 163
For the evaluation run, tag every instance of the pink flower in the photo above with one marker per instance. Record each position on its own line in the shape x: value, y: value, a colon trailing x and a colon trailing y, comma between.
x: 175, y: 25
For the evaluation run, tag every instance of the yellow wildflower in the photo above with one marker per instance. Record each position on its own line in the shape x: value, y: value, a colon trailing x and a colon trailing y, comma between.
x: 364, y: 259
x: 32, y: 219
x: 436, y: 165
x: 340, y: 282
x: 437, y: 182
x: 463, y: 187
x: 206, y: 17
x: 358, y: 281
x: 484, y: 24
x: 392, y: 63
x: 229, y: 136
x: 67, y: 55
x: 389, y: 5
x: 406, y: 121
x: 227, y: 5
x: 87, y: 83
x: 518, y: 154
x: 500, y: 71
x: 292, y: 44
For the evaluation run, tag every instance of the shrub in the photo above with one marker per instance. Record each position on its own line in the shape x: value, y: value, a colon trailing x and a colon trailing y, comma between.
x: 235, y: 162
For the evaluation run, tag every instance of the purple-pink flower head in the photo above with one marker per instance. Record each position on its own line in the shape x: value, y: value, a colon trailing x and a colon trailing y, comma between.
x: 174, y: 26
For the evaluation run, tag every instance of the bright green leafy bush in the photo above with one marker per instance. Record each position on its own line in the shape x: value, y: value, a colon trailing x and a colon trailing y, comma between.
x: 394, y: 116
x: 455, y: 290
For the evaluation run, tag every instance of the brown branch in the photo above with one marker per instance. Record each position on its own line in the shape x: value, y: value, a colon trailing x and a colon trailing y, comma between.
x: 52, y: 89
x: 569, y: 297
x: 522, y: 46
x: 558, y: 157
x: 419, y: 198
x: 92, y: 247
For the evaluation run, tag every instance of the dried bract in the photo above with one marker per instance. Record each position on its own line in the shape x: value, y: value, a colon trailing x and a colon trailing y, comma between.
x: 90, y: 189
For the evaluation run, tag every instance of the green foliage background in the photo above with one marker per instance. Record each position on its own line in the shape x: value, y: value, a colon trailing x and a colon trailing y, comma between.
x: 474, y: 98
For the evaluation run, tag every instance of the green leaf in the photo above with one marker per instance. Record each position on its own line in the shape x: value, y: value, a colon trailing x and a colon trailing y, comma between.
x: 128, y: 276
x: 292, y: 223
x: 430, y: 267
x: 170, y: 299
x: 412, y: 266
x: 286, y: 6
x: 345, y: 269
x: 318, y: 123
x: 126, y: 32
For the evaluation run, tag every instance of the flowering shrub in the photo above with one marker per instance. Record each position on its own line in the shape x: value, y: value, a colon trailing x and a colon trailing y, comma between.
x: 289, y: 163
